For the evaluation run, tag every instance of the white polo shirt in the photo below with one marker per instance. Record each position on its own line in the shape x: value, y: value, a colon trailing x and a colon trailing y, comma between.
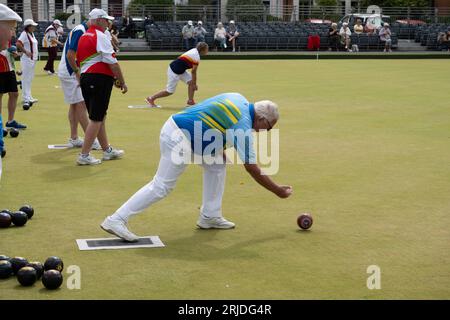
x: 30, y: 44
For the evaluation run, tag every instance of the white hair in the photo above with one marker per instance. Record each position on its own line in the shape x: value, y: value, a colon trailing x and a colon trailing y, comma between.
x: 268, y: 110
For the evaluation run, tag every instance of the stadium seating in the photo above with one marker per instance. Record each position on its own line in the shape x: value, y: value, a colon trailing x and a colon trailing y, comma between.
x: 427, y: 35
x: 260, y: 36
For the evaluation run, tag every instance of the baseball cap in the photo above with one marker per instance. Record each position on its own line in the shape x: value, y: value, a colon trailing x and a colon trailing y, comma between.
x: 199, y: 22
x: 99, y: 14
x: 29, y: 22
x: 57, y: 22
x: 6, y: 14
x: 232, y: 21
x: 190, y: 22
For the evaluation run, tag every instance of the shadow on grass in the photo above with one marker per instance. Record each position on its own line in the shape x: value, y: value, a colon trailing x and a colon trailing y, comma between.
x: 64, y: 171
x: 197, y: 247
x: 52, y: 156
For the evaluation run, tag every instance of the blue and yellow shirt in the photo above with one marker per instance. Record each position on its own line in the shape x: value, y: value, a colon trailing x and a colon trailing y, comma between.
x: 229, y: 114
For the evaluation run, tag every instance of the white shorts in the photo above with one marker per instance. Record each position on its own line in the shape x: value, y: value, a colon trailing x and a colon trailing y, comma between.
x: 173, y: 78
x: 71, y: 89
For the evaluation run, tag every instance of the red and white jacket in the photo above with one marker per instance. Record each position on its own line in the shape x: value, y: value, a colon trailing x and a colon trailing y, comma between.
x: 6, y: 63
x: 95, y: 52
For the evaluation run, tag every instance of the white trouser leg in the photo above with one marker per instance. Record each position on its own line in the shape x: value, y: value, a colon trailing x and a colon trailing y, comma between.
x: 163, y: 182
x: 27, y: 77
x: 213, y: 188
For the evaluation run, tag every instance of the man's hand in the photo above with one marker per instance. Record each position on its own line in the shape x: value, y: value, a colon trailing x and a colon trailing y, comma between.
x: 124, y: 88
x: 284, y: 191
x: 28, y: 54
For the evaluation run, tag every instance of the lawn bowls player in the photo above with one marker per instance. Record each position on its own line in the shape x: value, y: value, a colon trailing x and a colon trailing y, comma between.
x: 28, y: 44
x: 222, y: 116
x: 177, y: 71
x: 99, y: 67
x: 69, y: 76
x: 8, y: 24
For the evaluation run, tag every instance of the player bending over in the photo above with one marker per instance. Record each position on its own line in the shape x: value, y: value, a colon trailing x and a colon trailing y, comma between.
x: 177, y: 71
x: 216, y: 121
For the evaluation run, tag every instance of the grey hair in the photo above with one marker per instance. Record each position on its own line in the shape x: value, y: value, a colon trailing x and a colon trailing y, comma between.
x: 268, y: 110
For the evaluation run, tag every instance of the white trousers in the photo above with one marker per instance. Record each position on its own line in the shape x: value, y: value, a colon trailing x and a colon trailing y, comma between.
x: 167, y: 175
x: 27, y: 77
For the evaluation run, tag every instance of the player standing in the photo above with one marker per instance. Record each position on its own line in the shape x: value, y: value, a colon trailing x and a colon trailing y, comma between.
x: 69, y: 76
x: 8, y: 24
x: 99, y: 66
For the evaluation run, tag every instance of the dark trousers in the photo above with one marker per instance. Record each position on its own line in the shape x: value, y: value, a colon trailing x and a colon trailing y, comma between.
x: 189, y: 43
x: 333, y: 43
x: 52, y: 54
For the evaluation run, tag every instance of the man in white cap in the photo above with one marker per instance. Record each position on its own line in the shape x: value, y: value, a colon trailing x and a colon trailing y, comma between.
x: 51, y: 42
x: 385, y: 36
x: 199, y: 33
x: 8, y: 24
x: 99, y: 67
x: 232, y: 34
x: 188, y: 35
x: 345, y: 34
x: 28, y: 44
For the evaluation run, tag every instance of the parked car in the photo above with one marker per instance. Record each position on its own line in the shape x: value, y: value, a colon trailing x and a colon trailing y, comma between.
x: 312, y: 20
x: 411, y: 22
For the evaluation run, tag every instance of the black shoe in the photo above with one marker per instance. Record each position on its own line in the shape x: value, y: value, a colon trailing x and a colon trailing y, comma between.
x: 26, y: 106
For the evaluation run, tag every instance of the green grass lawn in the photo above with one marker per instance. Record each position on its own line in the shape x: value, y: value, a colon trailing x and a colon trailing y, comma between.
x: 365, y: 145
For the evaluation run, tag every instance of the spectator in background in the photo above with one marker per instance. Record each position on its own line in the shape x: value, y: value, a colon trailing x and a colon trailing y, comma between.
x: 188, y: 35
x: 220, y: 37
x: 443, y: 41
x: 112, y: 33
x: 127, y: 26
x: 345, y: 34
x: 333, y: 38
x: 358, y: 27
x: 148, y: 20
x: 199, y: 33
x: 385, y: 36
x: 232, y: 34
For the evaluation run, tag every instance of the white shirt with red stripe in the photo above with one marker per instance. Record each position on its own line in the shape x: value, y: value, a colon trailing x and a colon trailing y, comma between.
x: 186, y: 61
x: 29, y: 43
x: 95, y: 52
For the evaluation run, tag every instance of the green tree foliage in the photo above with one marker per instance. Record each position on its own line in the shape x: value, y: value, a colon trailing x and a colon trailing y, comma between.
x: 397, y: 3
x: 200, y: 2
x: 152, y: 2
x: 327, y: 3
x: 236, y: 10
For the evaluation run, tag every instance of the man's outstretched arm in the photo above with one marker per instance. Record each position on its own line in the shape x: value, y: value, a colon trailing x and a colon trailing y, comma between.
x: 280, y: 190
